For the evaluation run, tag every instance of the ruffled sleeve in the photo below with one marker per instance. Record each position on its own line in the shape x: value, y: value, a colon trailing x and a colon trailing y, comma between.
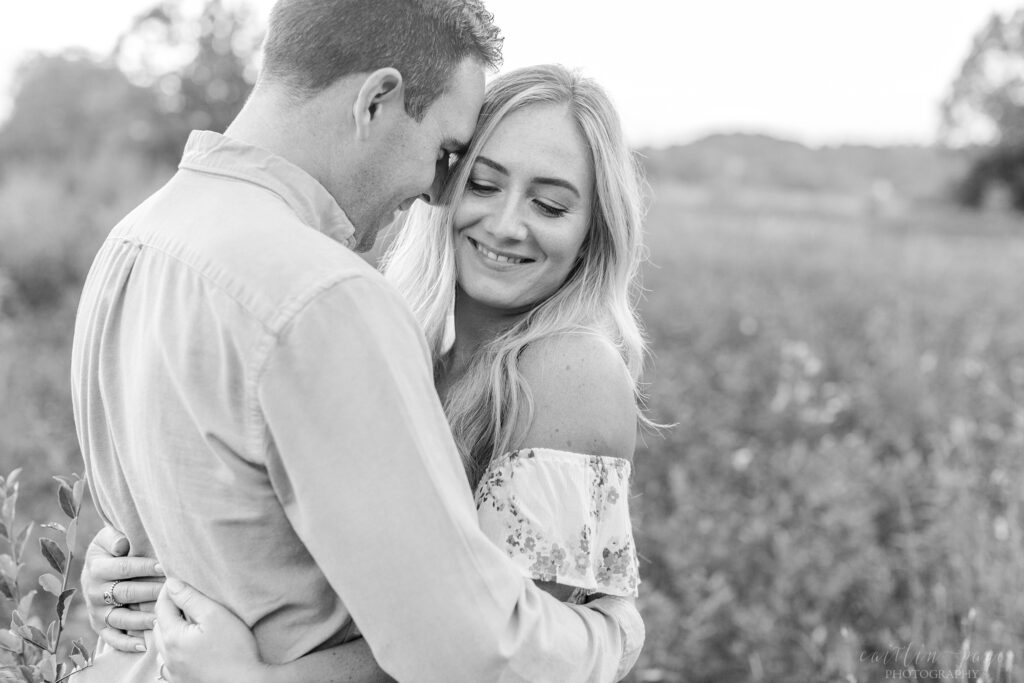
x: 562, y: 517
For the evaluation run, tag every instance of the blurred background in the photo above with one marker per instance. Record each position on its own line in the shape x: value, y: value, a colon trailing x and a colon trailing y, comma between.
x: 834, y: 298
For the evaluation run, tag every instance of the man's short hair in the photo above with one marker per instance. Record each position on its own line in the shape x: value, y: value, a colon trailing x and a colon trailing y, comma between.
x: 310, y: 44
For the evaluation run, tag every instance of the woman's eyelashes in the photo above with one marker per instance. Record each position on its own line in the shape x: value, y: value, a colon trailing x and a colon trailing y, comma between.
x: 545, y: 208
x: 550, y: 210
x: 482, y: 189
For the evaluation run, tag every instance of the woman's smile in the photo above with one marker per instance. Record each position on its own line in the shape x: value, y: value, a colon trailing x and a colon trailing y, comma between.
x: 497, y: 256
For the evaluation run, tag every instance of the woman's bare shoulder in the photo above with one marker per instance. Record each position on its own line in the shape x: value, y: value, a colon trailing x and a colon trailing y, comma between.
x: 582, y: 396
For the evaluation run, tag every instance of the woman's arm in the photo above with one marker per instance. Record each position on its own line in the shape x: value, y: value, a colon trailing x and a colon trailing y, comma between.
x: 584, y: 401
x: 558, y: 591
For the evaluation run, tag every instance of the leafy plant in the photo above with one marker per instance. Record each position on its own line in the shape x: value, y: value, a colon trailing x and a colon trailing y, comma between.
x: 28, y: 654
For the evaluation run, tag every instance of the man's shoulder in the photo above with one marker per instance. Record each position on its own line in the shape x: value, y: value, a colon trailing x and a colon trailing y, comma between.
x: 247, y: 242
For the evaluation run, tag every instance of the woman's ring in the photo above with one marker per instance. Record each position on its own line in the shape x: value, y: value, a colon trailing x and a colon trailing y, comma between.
x: 108, y: 595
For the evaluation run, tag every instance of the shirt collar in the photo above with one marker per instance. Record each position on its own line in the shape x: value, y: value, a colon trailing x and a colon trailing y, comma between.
x: 209, y: 152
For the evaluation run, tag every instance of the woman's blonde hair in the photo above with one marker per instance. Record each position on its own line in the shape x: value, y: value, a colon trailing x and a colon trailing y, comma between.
x: 598, y: 296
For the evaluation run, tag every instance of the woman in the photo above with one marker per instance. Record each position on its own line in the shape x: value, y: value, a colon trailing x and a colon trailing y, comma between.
x: 523, y: 280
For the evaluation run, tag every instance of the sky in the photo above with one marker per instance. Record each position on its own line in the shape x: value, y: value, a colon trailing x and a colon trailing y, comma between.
x: 843, y: 71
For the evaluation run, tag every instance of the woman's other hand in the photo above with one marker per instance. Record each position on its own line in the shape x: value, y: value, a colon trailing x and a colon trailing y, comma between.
x: 132, y: 582
x: 201, y: 641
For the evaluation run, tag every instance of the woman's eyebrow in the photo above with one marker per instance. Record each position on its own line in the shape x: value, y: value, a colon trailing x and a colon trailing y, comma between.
x: 558, y: 182
x: 493, y: 164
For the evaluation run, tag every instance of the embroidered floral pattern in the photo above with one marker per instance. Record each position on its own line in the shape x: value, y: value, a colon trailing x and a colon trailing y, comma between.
x: 562, y: 517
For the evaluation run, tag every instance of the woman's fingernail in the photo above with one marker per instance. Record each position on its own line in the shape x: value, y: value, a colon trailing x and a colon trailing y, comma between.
x: 158, y: 568
x: 140, y: 647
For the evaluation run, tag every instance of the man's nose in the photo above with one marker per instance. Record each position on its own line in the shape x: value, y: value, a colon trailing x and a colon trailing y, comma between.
x: 440, y: 178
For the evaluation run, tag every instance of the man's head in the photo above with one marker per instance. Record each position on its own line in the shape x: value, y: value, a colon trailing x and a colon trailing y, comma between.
x: 392, y: 88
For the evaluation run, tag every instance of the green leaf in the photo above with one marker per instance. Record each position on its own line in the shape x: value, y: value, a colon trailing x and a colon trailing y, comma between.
x: 25, y: 606
x: 16, y: 620
x: 48, y: 667
x: 12, y: 478
x: 81, y: 648
x: 9, y: 506
x: 6, y: 589
x: 4, y: 533
x: 32, y: 635
x: 23, y: 536
x: 71, y: 535
x: 7, y: 566
x: 78, y: 493
x: 64, y: 495
x: 56, y: 526
x: 50, y: 584
x: 51, y: 635
x: 10, y: 641
x: 63, y: 602
x: 53, y: 554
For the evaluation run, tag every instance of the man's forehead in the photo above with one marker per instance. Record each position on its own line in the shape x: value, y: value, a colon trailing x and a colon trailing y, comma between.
x: 460, y: 104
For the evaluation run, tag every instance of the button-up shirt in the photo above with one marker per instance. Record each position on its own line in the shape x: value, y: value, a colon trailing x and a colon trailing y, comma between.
x: 256, y: 409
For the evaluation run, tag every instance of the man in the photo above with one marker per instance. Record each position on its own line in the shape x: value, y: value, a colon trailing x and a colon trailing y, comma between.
x: 255, y: 404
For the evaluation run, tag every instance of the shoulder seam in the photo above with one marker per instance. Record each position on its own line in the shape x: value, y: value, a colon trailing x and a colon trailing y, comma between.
x: 263, y: 350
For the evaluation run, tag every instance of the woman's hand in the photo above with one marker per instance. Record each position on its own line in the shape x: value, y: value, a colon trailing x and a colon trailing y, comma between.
x: 134, y: 582
x: 201, y: 641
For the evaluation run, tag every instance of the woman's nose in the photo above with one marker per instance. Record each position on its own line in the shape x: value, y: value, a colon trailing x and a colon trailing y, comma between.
x: 508, y: 223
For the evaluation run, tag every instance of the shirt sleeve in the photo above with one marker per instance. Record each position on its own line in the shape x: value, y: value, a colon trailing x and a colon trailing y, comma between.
x: 364, y: 464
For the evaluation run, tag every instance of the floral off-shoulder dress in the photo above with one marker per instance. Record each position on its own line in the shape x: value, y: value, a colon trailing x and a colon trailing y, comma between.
x: 562, y: 517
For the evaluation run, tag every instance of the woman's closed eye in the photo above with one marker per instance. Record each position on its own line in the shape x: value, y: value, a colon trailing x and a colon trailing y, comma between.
x: 550, y: 210
x: 481, y: 189
x: 545, y: 207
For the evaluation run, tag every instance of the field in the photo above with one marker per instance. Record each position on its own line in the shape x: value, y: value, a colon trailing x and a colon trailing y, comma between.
x: 844, y: 478
x: 840, y: 491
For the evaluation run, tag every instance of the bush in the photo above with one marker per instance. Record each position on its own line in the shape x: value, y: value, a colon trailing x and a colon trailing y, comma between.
x: 27, y: 652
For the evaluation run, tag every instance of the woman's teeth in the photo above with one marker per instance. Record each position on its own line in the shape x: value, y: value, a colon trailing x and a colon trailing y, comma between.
x: 496, y: 257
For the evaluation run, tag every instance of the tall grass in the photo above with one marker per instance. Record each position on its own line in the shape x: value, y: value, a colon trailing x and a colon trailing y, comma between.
x: 845, y: 476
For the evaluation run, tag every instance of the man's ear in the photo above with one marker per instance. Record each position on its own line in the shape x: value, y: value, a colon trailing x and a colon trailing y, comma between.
x: 382, y: 90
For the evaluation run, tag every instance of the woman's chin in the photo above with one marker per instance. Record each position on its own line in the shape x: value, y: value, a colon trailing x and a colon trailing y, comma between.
x: 504, y: 302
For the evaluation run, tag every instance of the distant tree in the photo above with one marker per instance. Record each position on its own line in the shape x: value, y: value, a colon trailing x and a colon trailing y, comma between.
x: 70, y: 105
x: 985, y: 107
x: 170, y: 72
x: 200, y: 67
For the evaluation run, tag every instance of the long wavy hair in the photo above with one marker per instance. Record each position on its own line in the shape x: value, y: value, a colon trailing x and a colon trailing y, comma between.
x: 598, y: 296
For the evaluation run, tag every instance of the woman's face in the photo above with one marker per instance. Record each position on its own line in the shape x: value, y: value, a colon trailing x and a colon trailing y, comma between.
x: 526, y: 209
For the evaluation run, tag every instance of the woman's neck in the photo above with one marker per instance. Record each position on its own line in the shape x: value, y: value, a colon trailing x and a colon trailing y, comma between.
x: 476, y: 324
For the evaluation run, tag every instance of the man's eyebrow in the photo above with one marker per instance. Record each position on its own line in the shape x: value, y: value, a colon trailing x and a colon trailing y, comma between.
x: 558, y: 182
